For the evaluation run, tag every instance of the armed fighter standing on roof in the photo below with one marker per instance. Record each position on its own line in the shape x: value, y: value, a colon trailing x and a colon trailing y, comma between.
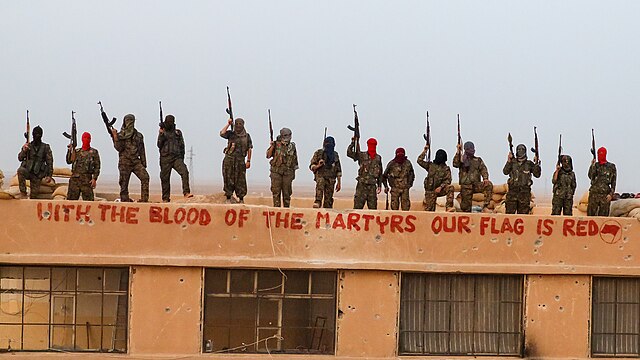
x: 239, y: 147
x: 284, y: 163
x: 85, y: 165
x: 603, y: 175
x: 171, y: 145
x: 327, y: 173
x: 520, y: 169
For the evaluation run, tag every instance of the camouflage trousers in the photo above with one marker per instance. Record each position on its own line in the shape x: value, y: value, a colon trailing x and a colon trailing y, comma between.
x: 136, y: 168
x: 467, y: 191
x: 281, y: 188
x: 400, y: 198
x: 324, y: 191
x: 365, y: 193
x: 518, y: 201
x: 430, y: 198
x: 80, y: 184
x: 562, y: 205
x: 34, y: 182
x: 598, y: 204
x: 234, y: 174
x: 168, y: 163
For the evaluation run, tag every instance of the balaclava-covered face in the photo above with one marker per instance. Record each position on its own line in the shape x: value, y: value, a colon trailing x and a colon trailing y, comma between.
x: 128, y: 127
x: 566, y: 163
x: 238, y: 126
x: 521, y: 152
x: 86, y: 141
x: 602, y: 155
x: 469, y: 153
x: 329, y: 146
x: 285, y: 135
x: 400, y: 156
x: 441, y: 157
x: 37, y: 135
x: 169, y: 123
x: 371, y: 148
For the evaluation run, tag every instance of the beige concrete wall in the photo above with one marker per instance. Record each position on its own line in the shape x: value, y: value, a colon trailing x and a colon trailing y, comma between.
x: 165, y: 310
x: 368, y: 306
x: 558, y: 309
x: 41, y: 232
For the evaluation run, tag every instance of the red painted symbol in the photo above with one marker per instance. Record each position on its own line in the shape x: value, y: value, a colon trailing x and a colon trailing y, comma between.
x: 611, y: 232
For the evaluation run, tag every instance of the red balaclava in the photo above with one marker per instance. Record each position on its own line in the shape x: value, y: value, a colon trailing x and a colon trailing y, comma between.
x: 371, y: 148
x: 602, y: 156
x: 86, y: 141
x: 400, y: 156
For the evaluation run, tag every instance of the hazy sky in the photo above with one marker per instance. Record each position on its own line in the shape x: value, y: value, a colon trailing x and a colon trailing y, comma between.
x: 563, y: 66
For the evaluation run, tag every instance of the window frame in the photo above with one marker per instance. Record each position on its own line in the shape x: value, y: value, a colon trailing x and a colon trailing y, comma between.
x: 75, y: 293
x: 522, y: 280
x: 281, y: 297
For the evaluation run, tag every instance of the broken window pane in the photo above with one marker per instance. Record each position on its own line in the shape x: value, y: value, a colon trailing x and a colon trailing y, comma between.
x: 10, y: 278
x: 36, y: 278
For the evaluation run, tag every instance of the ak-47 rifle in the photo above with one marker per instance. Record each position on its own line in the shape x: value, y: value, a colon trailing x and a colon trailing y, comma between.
x: 270, y: 126
x: 107, y: 123
x: 356, y: 124
x: 73, y: 137
x: 427, y: 138
x: 28, y: 133
x: 459, y: 137
x: 510, y: 140
x: 325, y: 136
x: 559, y: 150
x: 593, y: 144
x: 161, y: 117
x: 230, y: 108
x: 535, y: 148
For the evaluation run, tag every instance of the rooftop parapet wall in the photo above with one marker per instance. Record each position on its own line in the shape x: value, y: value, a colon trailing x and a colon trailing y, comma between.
x: 110, y: 233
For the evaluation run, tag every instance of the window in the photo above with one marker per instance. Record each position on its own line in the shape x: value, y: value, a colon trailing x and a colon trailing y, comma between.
x: 255, y: 311
x: 461, y: 314
x: 63, y: 308
x: 615, y: 317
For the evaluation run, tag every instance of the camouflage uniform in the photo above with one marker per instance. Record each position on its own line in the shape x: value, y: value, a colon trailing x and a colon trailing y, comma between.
x: 400, y: 177
x: 234, y: 170
x: 564, y: 187
x: 284, y: 163
x: 438, y: 176
x: 470, y: 180
x: 603, y: 183
x: 171, y: 145
x: 132, y: 158
x: 325, y: 178
x: 369, y: 177
x: 37, y: 163
x: 85, y: 167
x: 519, y: 169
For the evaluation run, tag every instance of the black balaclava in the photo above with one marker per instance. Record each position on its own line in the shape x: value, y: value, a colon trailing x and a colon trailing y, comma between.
x: 521, y: 152
x: 441, y: 157
x: 37, y: 135
x: 169, y: 123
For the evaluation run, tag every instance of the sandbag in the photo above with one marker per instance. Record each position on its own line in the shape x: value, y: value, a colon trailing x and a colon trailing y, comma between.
x: 61, y: 191
x: 478, y: 197
x: 622, y: 207
x: 497, y: 197
x: 584, y: 198
x: 5, y: 195
x: 500, y: 189
x: 62, y: 172
x: 59, y: 198
x: 456, y: 187
x: 582, y: 207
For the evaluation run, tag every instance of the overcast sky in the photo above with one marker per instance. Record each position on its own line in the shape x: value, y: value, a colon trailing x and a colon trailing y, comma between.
x: 563, y: 66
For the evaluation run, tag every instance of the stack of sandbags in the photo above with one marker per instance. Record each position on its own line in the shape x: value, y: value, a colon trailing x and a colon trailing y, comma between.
x: 62, y: 172
x: 46, y: 188
x: 497, y: 198
x: 60, y: 193
x: 624, y: 207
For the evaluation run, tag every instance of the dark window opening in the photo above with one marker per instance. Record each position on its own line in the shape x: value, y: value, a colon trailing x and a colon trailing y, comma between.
x: 442, y: 314
x: 63, y: 309
x: 268, y: 311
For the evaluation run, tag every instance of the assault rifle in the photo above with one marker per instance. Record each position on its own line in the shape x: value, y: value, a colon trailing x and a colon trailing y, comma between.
x: 270, y: 126
x: 427, y: 138
x: 356, y: 124
x: 107, y: 123
x: 230, y: 108
x: 28, y: 133
x: 559, y: 150
x: 459, y: 137
x: 73, y: 137
x: 535, y: 148
x: 325, y: 136
x: 510, y: 140
x: 161, y: 117
x: 593, y: 144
